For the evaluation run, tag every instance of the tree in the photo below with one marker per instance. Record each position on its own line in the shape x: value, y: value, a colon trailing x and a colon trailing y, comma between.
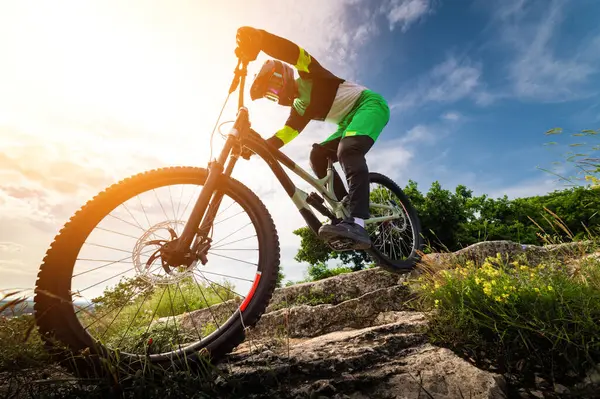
x: 313, y: 251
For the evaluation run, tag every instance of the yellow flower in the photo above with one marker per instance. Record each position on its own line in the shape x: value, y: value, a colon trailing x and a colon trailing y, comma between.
x: 437, y: 303
x: 550, y: 288
x: 524, y: 268
x: 536, y: 289
x: 487, y: 288
x: 437, y: 285
x: 477, y: 280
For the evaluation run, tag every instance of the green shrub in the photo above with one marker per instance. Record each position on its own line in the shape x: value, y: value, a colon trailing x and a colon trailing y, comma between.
x: 20, y: 343
x: 517, y: 316
x: 321, y: 271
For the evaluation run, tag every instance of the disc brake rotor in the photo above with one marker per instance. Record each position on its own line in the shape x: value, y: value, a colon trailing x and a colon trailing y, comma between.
x: 156, y: 270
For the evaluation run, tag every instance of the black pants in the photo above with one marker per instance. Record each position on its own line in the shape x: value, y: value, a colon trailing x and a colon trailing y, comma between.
x: 350, y: 152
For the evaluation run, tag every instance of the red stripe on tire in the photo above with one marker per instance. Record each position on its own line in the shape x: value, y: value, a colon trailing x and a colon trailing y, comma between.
x: 251, y: 293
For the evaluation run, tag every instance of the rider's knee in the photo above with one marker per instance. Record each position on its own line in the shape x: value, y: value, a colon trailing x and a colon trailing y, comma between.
x: 351, y: 153
x: 317, y: 157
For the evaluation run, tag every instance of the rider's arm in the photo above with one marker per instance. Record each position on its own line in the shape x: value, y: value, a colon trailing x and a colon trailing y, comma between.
x: 293, y: 126
x: 286, y: 51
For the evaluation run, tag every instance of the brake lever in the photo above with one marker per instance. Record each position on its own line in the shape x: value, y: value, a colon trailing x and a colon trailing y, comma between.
x: 236, y: 79
x: 238, y: 72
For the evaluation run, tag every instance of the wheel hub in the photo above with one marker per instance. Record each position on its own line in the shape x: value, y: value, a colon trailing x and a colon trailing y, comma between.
x: 164, y: 264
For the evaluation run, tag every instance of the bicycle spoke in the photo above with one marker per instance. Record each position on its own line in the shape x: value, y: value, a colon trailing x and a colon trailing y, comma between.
x: 231, y: 242
x: 116, y: 232
x: 134, y: 317
x: 179, y: 203
x: 133, y: 217
x: 208, y: 305
x: 239, y: 213
x: 214, y: 282
x: 225, y: 210
x: 96, y: 319
x: 155, y: 311
x: 173, y: 314
x: 189, y: 201
x: 230, y: 258
x: 107, y: 264
x: 234, y: 249
x: 188, y: 311
x: 211, y: 283
x: 160, y: 203
x: 110, y: 278
x: 241, y: 228
x: 226, y: 275
x: 144, y: 210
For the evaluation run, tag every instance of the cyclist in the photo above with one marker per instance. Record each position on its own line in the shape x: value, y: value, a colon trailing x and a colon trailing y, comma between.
x: 318, y: 94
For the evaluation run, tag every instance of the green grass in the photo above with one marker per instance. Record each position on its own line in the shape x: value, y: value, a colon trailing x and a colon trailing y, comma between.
x: 130, y: 325
x: 20, y: 344
x: 522, y: 318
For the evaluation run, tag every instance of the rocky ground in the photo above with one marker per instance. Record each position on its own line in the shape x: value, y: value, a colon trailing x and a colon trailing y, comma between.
x: 357, y: 336
x: 354, y: 336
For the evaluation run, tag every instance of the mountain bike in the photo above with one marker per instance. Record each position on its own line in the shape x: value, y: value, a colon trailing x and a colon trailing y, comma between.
x: 181, y: 303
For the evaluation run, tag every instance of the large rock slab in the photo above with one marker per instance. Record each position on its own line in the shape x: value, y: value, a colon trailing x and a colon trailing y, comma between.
x: 333, y: 290
x: 311, y: 321
x: 383, y: 361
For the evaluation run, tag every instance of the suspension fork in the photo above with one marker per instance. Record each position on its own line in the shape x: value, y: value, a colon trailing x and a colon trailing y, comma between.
x: 215, y: 174
x: 211, y: 213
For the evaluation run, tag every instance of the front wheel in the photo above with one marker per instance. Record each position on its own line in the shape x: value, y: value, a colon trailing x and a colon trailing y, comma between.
x: 396, y: 243
x: 104, y: 290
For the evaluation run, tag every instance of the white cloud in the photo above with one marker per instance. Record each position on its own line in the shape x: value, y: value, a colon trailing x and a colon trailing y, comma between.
x: 10, y: 247
x: 447, y: 82
x: 408, y: 156
x: 527, y: 188
x: 418, y: 134
x: 404, y: 13
x: 392, y: 159
x: 452, y: 116
x: 537, y: 72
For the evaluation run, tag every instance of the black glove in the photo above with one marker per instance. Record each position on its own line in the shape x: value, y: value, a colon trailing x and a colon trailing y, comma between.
x: 248, y: 41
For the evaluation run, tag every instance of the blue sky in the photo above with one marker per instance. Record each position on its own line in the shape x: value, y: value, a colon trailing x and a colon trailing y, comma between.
x: 93, y: 92
x: 486, y: 81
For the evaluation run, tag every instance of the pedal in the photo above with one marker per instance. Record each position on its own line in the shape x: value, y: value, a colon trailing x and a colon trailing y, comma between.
x: 341, y: 245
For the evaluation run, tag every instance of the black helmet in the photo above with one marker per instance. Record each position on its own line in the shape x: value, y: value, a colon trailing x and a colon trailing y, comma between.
x: 275, y: 81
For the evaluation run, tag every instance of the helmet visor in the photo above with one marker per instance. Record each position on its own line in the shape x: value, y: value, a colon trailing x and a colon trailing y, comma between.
x: 274, y: 87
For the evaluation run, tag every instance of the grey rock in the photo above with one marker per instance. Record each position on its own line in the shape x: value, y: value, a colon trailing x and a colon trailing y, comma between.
x: 312, y: 321
x: 332, y: 290
x: 376, y: 362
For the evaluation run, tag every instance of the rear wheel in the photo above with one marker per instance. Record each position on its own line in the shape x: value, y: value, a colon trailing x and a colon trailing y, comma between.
x: 395, y: 243
x: 104, y: 290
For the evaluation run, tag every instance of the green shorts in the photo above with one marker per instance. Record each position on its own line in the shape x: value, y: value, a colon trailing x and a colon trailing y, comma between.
x: 368, y: 117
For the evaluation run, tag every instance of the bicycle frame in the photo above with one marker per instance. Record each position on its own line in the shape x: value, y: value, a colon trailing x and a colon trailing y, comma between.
x: 241, y: 136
